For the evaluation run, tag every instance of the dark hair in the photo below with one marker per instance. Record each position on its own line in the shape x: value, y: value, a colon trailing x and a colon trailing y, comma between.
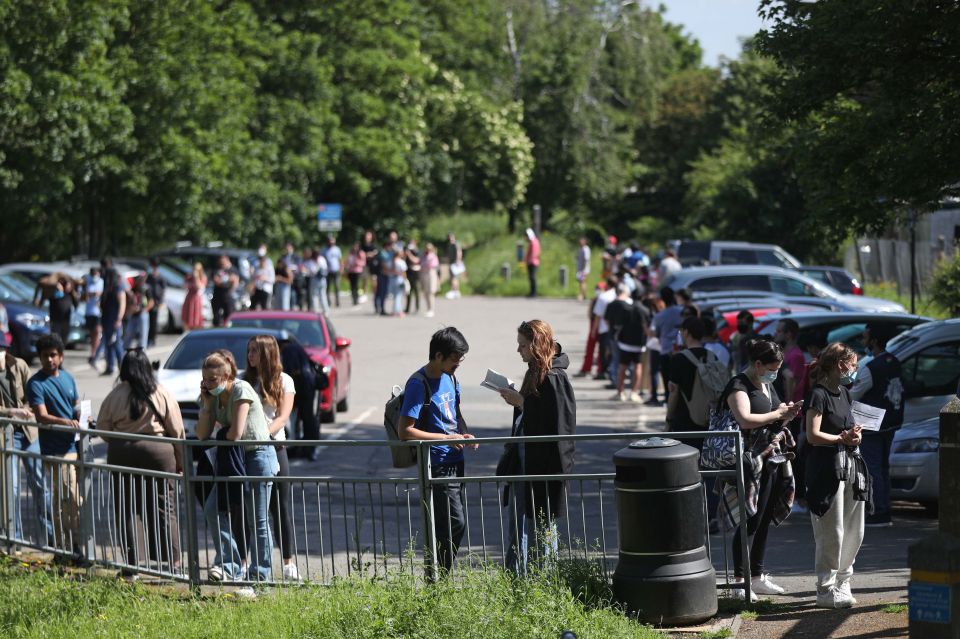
x: 690, y: 310
x: 745, y: 314
x: 764, y: 350
x: 111, y: 279
x: 46, y: 342
x: 668, y: 297
x: 881, y: 333
x: 694, y: 326
x: 790, y: 326
x: 812, y: 338
x: 448, y: 341
x: 709, y: 325
x: 828, y: 360
x: 135, y: 370
x: 154, y: 261
x: 684, y: 293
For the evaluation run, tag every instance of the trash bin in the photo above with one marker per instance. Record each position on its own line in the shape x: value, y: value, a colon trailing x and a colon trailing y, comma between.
x: 664, y: 575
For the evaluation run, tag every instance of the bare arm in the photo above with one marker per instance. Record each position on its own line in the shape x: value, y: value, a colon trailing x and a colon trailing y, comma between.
x: 739, y: 404
x: 819, y: 438
x: 407, y: 429
x: 43, y: 417
x: 283, y: 413
x: 239, y: 422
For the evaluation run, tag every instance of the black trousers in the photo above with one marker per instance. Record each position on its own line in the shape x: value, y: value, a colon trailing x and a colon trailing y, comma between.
x: 333, y: 286
x: 757, y: 527
x: 532, y: 276
x: 260, y: 299
x: 222, y: 307
x: 355, y: 286
x: 449, y: 519
x: 414, y: 278
x: 153, y: 324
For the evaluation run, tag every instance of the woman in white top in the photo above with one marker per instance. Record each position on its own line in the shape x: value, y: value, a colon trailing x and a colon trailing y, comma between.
x: 276, y: 390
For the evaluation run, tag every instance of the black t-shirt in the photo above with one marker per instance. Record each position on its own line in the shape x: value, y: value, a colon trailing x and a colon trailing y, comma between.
x: 60, y: 307
x: 616, y: 314
x: 834, y: 407
x: 683, y: 373
x: 634, y: 331
x: 222, y: 282
x: 759, y: 402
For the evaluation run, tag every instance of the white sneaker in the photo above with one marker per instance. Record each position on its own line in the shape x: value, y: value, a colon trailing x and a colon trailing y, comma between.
x: 763, y: 586
x: 428, y: 314
x: 635, y: 398
x: 833, y: 598
x: 844, y: 588
x: 290, y: 572
x: 451, y: 295
x: 620, y: 396
x: 740, y: 593
x: 215, y: 574
x: 245, y: 593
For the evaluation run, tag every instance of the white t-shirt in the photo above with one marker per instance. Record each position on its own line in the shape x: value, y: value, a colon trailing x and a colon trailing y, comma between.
x: 270, y: 412
x: 600, y: 308
x: 94, y: 290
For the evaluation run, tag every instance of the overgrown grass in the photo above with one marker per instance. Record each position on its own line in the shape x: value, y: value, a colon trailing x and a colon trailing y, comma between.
x: 722, y: 633
x: 925, y: 304
x: 489, y: 604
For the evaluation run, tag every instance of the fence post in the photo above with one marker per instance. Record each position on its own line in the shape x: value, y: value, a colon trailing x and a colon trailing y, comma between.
x: 426, y: 507
x: 189, y: 497
x: 10, y: 466
x: 742, y: 507
x: 85, y: 486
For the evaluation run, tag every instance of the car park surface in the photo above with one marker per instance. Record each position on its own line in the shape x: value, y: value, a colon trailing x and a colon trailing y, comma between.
x: 319, y: 337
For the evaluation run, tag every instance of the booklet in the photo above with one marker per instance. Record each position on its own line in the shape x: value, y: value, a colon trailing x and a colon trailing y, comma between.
x: 86, y: 415
x: 866, y: 416
x: 495, y: 381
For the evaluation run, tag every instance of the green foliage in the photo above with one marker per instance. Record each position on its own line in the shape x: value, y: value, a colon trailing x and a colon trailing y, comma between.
x: 945, y: 287
x: 488, y: 603
x: 722, y: 633
x: 894, y: 609
x: 928, y: 303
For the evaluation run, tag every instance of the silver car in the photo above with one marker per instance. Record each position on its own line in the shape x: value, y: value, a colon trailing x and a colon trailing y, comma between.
x: 930, y: 357
x: 915, y: 463
x: 775, y: 280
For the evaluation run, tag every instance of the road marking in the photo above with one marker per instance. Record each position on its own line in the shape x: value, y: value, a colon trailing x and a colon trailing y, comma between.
x: 346, y: 428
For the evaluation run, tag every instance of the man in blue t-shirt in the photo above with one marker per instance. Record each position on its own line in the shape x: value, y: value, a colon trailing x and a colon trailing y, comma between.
x: 52, y: 394
x: 437, y: 417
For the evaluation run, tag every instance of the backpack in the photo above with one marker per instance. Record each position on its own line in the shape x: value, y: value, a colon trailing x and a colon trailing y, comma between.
x: 708, y: 385
x: 406, y: 456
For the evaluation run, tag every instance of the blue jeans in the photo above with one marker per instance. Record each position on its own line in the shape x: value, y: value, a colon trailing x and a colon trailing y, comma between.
x: 112, y: 343
x: 137, y: 328
x: 281, y: 296
x: 380, y: 297
x: 33, y: 469
x: 261, y: 462
x: 875, y: 448
x: 318, y: 294
x: 526, y: 534
x: 398, y: 291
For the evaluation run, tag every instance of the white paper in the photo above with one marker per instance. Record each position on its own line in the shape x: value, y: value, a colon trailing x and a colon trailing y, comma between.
x: 86, y: 414
x: 866, y: 416
x: 495, y: 381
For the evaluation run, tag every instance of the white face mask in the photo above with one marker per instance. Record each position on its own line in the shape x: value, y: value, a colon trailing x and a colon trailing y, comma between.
x: 262, y: 252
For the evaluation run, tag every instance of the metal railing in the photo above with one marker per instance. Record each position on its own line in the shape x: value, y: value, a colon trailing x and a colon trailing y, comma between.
x: 153, y: 522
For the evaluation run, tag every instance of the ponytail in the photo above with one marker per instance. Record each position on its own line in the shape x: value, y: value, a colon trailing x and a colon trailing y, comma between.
x: 828, y: 359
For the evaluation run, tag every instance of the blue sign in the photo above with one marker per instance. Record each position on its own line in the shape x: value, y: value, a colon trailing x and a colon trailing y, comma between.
x: 929, y: 603
x: 330, y: 217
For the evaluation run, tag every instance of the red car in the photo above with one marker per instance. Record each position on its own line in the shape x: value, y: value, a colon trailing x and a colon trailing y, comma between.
x: 727, y: 325
x: 318, y: 336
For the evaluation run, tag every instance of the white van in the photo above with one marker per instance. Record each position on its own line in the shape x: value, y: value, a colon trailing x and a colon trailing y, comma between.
x: 703, y: 253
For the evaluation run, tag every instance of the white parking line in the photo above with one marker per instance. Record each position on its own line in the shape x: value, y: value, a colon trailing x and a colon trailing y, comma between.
x: 346, y: 428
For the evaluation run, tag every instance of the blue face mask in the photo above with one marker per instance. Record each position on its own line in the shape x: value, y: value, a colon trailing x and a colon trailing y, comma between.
x: 848, y: 377
x: 216, y: 391
x: 769, y: 377
x: 58, y: 295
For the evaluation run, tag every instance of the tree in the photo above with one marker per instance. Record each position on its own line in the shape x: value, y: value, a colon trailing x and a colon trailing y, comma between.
x: 872, y: 91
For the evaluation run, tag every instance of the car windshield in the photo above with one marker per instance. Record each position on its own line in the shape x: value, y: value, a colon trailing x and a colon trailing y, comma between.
x: 16, y: 288
x: 173, y: 277
x: 307, y: 331
x: 193, y: 349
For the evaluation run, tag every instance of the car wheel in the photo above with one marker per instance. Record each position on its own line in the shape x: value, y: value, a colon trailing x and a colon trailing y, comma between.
x: 932, y: 508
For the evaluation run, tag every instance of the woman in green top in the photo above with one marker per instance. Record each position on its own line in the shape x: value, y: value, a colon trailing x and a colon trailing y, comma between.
x: 235, y: 407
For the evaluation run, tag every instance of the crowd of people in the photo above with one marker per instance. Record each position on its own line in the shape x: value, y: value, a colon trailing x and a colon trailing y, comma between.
x: 790, y: 397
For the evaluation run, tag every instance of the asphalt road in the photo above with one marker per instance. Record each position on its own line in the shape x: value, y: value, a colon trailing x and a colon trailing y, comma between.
x: 386, y: 350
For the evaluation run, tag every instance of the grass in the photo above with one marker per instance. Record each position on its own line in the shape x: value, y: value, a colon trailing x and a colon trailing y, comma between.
x: 894, y: 608
x: 925, y: 304
x: 722, y: 633
x: 489, y: 604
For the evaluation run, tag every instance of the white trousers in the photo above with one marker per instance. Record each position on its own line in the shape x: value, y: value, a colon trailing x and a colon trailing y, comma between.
x: 838, y: 535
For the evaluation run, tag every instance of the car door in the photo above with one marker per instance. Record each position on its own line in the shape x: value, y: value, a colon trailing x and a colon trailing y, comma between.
x: 930, y: 378
x: 342, y: 358
x: 738, y: 256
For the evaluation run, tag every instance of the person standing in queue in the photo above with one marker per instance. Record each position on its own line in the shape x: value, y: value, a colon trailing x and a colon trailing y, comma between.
x: 146, y: 508
x: 91, y: 293
x: 192, y: 312
x: 113, y: 306
x: 277, y: 392
x: 225, y: 282
x: 838, y: 482
x: 544, y: 405
x: 157, y: 290
x: 431, y: 411
x: 232, y: 404
x: 755, y: 405
x: 532, y: 261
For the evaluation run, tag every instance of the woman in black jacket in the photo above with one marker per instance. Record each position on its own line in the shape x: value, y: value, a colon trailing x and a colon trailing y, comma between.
x: 544, y: 405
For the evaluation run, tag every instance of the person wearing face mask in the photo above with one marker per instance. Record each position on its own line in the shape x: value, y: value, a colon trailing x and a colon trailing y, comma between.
x: 92, y: 290
x: 758, y: 410
x: 879, y: 384
x: 838, y: 482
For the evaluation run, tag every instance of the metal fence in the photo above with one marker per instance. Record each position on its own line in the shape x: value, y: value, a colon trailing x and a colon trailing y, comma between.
x: 149, y: 522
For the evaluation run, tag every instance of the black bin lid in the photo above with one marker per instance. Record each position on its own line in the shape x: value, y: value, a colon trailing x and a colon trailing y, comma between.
x: 657, y: 462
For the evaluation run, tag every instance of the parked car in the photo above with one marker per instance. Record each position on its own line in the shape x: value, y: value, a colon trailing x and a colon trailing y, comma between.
x: 25, y: 322
x: 181, y: 372
x: 726, y: 315
x: 846, y: 327
x: 318, y: 336
x: 930, y: 359
x: 915, y: 464
x: 702, y: 253
x: 172, y: 319
x: 775, y: 280
x: 835, y: 276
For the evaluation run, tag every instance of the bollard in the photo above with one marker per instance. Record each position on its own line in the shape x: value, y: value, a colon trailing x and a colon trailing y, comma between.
x: 564, y: 276
x: 505, y: 271
x: 934, y: 563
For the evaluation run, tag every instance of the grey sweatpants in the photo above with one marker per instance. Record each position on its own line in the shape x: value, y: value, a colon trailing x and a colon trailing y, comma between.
x: 838, y: 535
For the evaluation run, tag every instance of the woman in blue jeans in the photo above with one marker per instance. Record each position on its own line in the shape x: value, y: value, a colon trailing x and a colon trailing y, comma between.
x: 233, y: 405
